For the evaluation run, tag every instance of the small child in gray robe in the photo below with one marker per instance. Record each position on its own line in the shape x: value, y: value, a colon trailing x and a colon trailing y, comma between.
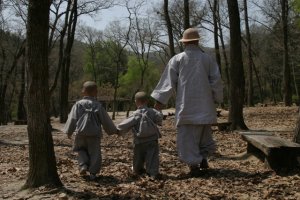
x: 85, y: 120
x: 146, y: 148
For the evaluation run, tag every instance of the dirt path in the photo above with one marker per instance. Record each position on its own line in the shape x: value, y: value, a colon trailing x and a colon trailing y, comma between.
x: 233, y: 174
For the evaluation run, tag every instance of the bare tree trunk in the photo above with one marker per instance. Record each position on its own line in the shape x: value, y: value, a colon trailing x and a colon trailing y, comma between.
x: 295, y: 83
x: 66, y: 63
x: 237, y: 87
x: 250, y: 60
x: 21, y: 113
x: 258, y: 83
x: 287, y: 90
x: 169, y: 28
x: 61, y: 49
x: 297, y: 130
x: 115, y: 102
x: 42, y: 162
x: 224, y: 54
x: 5, y: 84
x: 186, y: 15
x: 2, y: 102
x: 216, y: 35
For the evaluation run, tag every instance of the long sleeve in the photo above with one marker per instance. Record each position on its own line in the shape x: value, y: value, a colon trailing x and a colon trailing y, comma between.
x: 70, y: 125
x: 158, y: 117
x: 107, y: 124
x: 215, y: 82
x: 127, y: 124
x: 167, y: 83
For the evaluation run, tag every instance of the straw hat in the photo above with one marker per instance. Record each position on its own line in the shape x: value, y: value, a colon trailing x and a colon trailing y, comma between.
x: 190, y: 34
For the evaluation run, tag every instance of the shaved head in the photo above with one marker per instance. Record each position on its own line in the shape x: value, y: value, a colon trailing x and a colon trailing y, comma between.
x: 89, y: 87
x: 141, y: 96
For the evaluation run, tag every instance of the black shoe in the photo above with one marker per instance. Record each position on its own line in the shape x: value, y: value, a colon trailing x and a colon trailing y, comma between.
x: 93, y: 177
x: 155, y: 177
x: 204, y: 164
x: 139, y: 172
x: 195, y: 171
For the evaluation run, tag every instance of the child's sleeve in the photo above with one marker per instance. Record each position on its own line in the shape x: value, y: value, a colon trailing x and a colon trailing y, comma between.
x: 158, y: 117
x: 107, y: 124
x: 127, y: 124
x: 70, y: 125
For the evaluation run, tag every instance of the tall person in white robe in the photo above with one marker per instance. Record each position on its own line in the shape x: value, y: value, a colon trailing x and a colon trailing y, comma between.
x: 196, y: 80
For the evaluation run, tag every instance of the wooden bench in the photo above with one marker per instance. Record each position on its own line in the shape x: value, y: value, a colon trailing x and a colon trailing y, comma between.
x: 20, y: 122
x: 222, y: 126
x: 277, y: 153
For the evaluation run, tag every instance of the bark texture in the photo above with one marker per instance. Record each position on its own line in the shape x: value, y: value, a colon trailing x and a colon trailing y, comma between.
x: 42, y: 162
x: 287, y: 89
x: 237, y: 86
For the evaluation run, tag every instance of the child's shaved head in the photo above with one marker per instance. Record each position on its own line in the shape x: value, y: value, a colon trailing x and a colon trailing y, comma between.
x: 141, y: 96
x: 89, y: 88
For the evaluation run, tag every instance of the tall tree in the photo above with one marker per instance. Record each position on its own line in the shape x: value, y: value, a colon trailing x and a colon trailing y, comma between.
x: 21, y: 113
x: 237, y: 86
x: 297, y: 130
x: 186, y: 14
x: 42, y: 163
x: 250, y: 60
x: 66, y: 59
x: 224, y: 51
x: 215, y: 10
x: 287, y: 89
x: 169, y: 28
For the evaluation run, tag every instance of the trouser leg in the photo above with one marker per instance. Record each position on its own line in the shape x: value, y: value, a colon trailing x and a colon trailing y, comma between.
x: 152, y: 158
x: 83, y: 158
x: 194, y: 143
x: 80, y: 147
x: 94, y: 151
x: 188, y: 138
x: 138, y: 159
x: 206, y: 143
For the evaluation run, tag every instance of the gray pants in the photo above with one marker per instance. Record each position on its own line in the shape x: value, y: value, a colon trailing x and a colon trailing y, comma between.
x: 146, y: 153
x: 194, y: 142
x: 89, y: 152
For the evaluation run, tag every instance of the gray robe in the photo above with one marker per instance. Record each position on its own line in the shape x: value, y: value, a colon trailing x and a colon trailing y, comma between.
x: 132, y: 123
x: 78, y: 110
x: 146, y: 149
x: 196, y: 79
x: 88, y: 145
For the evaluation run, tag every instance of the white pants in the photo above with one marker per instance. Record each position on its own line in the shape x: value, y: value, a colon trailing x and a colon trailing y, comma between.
x: 194, y: 143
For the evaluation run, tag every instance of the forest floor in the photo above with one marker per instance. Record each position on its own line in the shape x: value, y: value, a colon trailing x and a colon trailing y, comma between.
x: 233, y: 173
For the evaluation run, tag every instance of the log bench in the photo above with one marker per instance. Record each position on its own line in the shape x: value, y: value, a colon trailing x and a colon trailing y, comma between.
x: 20, y: 122
x: 222, y: 126
x: 278, y: 153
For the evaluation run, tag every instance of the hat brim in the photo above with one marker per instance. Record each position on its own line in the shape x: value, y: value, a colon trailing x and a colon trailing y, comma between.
x: 188, y: 40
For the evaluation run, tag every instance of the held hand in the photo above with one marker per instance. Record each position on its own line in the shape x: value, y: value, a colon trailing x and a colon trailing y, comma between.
x: 158, y: 106
x: 120, y: 134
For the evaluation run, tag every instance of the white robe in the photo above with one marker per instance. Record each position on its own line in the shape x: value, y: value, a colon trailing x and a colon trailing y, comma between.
x: 196, y: 79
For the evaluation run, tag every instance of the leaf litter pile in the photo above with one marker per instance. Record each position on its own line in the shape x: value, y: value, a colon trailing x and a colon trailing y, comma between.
x: 233, y: 174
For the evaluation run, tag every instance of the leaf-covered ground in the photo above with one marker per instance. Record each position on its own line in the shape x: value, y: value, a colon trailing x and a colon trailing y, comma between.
x: 233, y: 173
